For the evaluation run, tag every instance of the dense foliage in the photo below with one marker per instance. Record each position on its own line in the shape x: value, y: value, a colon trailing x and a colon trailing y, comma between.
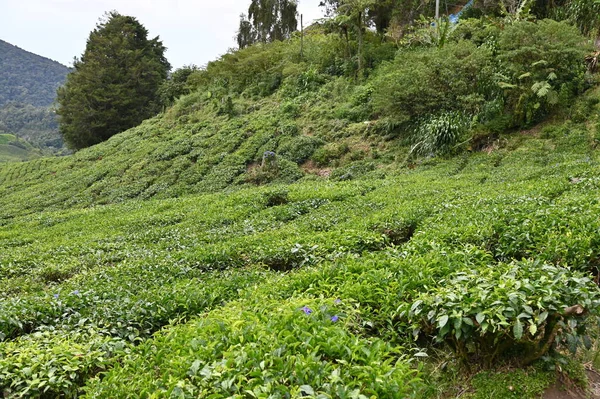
x: 27, y: 78
x: 584, y: 14
x: 36, y: 125
x: 28, y: 85
x: 500, y: 78
x: 176, y: 85
x: 114, y: 85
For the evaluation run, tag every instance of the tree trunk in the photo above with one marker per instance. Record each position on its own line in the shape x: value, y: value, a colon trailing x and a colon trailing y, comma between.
x: 347, y: 37
x: 301, y: 37
x: 360, y: 45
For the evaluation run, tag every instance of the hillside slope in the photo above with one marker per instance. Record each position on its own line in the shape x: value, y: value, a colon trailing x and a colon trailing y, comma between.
x: 28, y: 84
x: 174, y: 154
x: 28, y: 78
x: 14, y: 149
x: 264, y: 115
x: 340, y: 263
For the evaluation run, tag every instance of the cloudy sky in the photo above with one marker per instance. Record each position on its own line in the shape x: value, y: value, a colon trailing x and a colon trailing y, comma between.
x: 194, y: 31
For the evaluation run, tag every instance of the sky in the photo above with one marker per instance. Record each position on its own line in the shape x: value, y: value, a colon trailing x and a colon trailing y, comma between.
x: 194, y: 31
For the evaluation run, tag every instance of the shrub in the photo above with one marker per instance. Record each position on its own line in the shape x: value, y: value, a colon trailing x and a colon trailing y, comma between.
x: 299, y: 149
x: 478, y: 31
x: 324, y: 155
x: 432, y: 80
x: 523, y: 71
x: 543, y: 65
x: 353, y: 171
x: 305, y: 81
x: 290, y: 108
x: 440, y: 134
x: 272, y: 349
x: 275, y: 197
x: 54, y: 364
x: 267, y: 171
x: 289, y: 172
x: 524, y: 307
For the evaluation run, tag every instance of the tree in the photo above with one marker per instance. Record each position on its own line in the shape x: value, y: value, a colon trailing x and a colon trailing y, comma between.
x: 355, y: 14
x: 114, y: 85
x: 176, y: 85
x: 246, y: 35
x: 267, y: 21
x: 378, y: 13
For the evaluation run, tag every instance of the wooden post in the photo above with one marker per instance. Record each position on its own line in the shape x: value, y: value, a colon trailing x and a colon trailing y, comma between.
x: 301, y: 36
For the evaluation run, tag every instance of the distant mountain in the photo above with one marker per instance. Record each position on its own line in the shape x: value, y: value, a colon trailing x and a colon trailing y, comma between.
x: 28, y: 84
x: 28, y: 78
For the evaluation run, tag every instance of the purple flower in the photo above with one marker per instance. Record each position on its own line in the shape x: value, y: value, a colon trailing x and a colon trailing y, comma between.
x: 55, y: 296
x: 334, y: 318
x: 306, y: 310
x: 76, y: 292
x: 337, y: 301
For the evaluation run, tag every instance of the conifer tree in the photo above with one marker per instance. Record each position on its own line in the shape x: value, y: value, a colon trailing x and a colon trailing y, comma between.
x: 114, y: 85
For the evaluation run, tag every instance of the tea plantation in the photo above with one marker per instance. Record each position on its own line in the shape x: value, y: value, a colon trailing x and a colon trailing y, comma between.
x: 425, y: 228
x: 349, y: 289
x: 14, y: 149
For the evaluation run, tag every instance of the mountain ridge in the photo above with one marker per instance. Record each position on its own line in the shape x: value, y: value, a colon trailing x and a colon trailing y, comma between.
x: 25, y: 87
x: 28, y: 84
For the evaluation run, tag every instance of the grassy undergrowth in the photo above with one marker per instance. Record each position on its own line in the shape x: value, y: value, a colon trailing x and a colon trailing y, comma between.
x: 321, y: 288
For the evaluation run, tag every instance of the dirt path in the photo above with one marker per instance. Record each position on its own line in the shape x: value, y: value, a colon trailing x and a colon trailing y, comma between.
x: 560, y: 392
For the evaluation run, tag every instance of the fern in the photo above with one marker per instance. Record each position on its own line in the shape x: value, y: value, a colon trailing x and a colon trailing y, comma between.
x: 542, y: 88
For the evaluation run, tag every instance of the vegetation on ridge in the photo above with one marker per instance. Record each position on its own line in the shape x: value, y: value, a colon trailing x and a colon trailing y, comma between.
x: 27, y: 78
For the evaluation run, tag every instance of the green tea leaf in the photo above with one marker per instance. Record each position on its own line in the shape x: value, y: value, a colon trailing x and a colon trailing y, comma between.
x: 532, y: 329
x: 442, y: 321
x: 518, y: 329
x: 480, y: 317
x: 307, y: 389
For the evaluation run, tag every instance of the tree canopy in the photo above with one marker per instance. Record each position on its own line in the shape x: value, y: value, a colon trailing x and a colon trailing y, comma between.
x: 267, y: 20
x: 115, y: 82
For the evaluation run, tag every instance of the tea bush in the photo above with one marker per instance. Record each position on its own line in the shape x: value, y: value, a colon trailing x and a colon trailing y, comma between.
x: 379, y: 245
x: 268, y: 349
x: 54, y: 364
x: 485, y: 313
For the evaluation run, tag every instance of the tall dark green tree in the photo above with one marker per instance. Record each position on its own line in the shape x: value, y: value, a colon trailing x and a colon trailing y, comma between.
x: 114, y: 85
x: 267, y: 21
x: 246, y: 34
